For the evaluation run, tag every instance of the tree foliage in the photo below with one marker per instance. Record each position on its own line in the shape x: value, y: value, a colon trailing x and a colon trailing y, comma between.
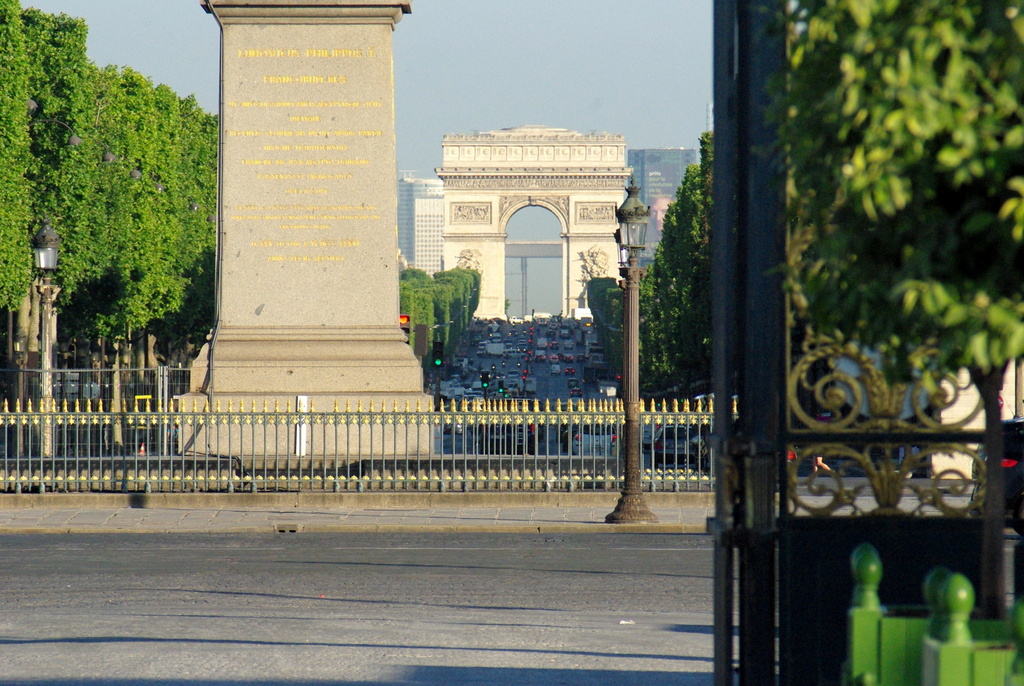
x: 135, y: 255
x: 903, y: 127
x: 15, y: 197
x: 675, y: 296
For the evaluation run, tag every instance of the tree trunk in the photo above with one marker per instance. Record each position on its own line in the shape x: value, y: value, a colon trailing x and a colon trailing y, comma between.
x: 992, y: 595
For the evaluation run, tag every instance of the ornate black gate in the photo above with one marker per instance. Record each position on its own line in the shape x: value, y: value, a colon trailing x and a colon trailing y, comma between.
x: 825, y: 453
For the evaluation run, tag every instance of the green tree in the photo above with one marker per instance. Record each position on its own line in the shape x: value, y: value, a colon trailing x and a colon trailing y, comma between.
x: 15, y: 198
x: 134, y: 256
x: 903, y: 127
x: 675, y: 296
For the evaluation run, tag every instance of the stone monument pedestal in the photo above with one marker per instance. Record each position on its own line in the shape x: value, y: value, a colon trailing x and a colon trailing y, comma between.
x: 307, y: 261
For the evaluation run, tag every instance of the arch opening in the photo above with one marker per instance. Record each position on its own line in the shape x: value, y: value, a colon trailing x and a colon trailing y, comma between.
x: 533, y: 283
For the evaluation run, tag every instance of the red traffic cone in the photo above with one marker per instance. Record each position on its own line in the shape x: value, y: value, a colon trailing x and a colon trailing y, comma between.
x: 142, y: 449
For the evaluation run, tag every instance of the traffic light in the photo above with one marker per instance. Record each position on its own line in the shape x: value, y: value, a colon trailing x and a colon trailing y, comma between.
x: 405, y: 322
x: 438, y: 353
x: 485, y: 379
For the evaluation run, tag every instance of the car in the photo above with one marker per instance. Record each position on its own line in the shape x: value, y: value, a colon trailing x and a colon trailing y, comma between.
x: 593, y: 440
x: 506, y: 439
x: 575, y: 392
x: 1013, y: 471
x: 680, y: 447
x: 570, y: 371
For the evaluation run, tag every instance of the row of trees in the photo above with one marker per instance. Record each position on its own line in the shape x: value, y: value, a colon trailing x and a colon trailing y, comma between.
x: 675, y: 296
x: 130, y: 201
x: 449, y: 296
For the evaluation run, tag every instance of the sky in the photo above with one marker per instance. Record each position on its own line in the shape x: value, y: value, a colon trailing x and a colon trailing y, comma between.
x: 640, y: 68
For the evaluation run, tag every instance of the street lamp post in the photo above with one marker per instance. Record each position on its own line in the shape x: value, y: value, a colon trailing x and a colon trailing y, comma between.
x: 632, y: 216
x: 45, y: 244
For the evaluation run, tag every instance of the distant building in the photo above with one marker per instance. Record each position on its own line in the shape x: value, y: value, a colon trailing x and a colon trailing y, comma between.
x: 409, y: 190
x: 658, y: 172
x: 429, y: 229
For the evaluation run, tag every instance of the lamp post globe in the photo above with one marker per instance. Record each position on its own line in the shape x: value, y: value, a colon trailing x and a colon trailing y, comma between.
x: 632, y: 235
x: 46, y: 245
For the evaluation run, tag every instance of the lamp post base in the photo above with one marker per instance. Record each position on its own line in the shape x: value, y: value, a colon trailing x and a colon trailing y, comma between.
x: 631, y: 509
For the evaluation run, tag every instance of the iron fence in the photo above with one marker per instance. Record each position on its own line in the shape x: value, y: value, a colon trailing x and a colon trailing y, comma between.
x: 488, y: 445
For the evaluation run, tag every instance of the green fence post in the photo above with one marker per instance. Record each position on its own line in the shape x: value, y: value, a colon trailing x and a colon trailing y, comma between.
x: 1016, y: 677
x: 946, y: 658
x: 864, y: 618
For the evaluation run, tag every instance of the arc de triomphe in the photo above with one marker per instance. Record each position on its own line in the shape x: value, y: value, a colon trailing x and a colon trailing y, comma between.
x: 489, y: 176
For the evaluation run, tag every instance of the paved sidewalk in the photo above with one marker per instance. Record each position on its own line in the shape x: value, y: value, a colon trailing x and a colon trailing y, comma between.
x: 187, y: 513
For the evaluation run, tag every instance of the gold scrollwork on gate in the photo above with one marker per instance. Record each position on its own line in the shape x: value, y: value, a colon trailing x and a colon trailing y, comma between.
x: 837, y: 389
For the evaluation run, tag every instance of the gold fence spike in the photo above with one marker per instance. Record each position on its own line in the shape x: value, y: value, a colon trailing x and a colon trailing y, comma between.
x: 29, y: 405
x: 558, y: 405
x: 686, y: 405
x: 288, y: 407
x: 5, y: 405
x: 348, y: 404
x: 711, y: 404
x: 231, y: 405
x: 419, y: 405
x: 675, y: 404
x: 277, y: 404
x: 735, y: 406
x: 219, y: 406
x: 135, y: 405
x: 77, y: 406
x: 442, y: 405
x: 643, y: 406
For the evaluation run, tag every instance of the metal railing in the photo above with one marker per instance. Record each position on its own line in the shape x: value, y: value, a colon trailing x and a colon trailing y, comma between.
x: 487, y: 445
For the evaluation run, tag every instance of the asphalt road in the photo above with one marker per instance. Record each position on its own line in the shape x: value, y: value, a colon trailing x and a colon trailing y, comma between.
x: 329, y: 609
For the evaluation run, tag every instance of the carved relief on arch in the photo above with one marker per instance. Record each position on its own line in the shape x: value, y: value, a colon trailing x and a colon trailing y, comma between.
x: 595, y: 213
x: 471, y: 213
x: 559, y: 204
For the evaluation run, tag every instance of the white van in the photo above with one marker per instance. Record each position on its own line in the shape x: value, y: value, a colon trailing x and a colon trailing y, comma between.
x: 556, y: 369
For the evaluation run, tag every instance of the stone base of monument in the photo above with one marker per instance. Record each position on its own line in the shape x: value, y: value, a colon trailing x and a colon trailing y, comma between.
x: 286, y: 399
x: 333, y: 363
x: 277, y: 436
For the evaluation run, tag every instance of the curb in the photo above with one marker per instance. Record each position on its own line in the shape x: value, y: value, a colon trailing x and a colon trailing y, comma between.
x: 373, y: 499
x: 574, y: 528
